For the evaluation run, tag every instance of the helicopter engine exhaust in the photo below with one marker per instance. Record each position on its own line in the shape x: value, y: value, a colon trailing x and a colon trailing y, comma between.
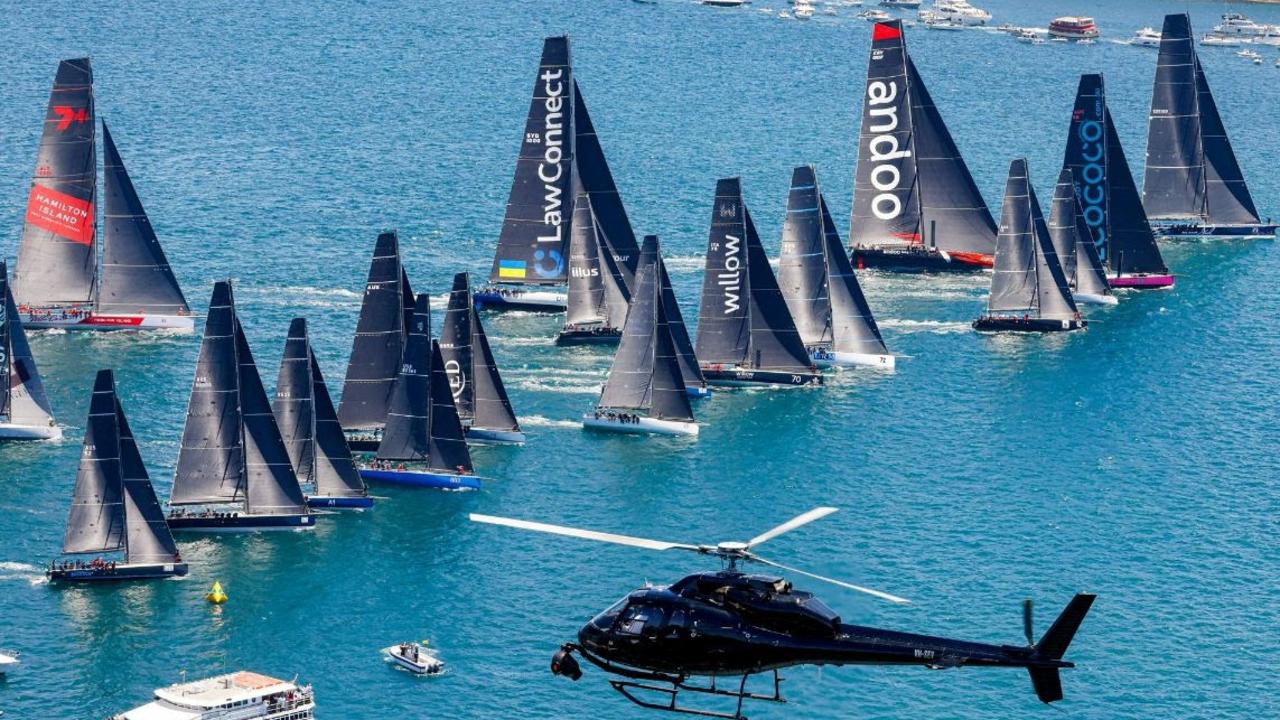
x: 563, y: 663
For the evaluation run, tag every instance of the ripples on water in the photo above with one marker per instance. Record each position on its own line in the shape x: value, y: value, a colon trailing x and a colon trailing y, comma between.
x: 1136, y: 460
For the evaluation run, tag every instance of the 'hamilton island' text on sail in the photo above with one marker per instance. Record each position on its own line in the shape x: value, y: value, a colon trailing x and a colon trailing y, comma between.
x: 61, y: 214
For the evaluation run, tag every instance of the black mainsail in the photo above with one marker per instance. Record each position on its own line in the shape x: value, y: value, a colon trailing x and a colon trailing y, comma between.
x: 606, y: 203
x: 379, y: 339
x: 479, y: 396
x: 1028, y: 279
x: 743, y: 320
x: 57, y: 258
x: 96, y: 523
x: 1108, y: 197
x: 136, y: 277
x: 645, y: 374
x: 535, y: 234
x: 22, y: 397
x: 1191, y: 170
x: 271, y: 488
x: 335, y: 470
x: 912, y: 187
x: 448, y: 445
x: 406, y: 434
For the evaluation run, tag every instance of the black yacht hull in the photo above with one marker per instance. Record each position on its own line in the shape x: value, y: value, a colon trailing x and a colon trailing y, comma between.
x: 918, y: 259
x: 1193, y: 230
x: 590, y: 336
x: 239, y: 522
x: 106, y: 573
x: 1036, y: 325
x: 747, y: 376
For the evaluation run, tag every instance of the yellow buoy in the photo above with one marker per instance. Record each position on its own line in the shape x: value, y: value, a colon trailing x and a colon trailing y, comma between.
x: 216, y: 596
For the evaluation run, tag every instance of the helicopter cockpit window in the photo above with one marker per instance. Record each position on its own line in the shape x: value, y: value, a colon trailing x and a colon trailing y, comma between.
x: 638, y: 619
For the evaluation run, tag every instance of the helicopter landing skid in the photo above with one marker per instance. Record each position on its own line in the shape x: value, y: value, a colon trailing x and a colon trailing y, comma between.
x: 627, y: 689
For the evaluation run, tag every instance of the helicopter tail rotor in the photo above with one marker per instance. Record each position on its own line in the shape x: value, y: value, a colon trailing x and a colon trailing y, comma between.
x: 1047, y: 656
x: 1027, y: 626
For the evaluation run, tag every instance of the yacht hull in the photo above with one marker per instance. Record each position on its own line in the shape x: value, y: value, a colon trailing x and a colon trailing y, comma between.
x: 29, y: 432
x: 422, y: 478
x: 137, y: 571
x: 697, y: 392
x: 500, y: 299
x: 828, y: 358
x: 340, y: 503
x: 239, y: 522
x: 1240, y: 232
x: 1141, y: 282
x: 488, y: 436
x: 1092, y: 299
x: 1029, y: 325
x: 600, y: 336
x: 918, y: 259
x: 640, y: 426
x: 730, y: 377
x: 71, y: 319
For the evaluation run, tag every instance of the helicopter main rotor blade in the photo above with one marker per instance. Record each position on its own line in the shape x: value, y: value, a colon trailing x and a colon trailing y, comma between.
x: 792, y: 524
x: 841, y: 583
x: 585, y: 534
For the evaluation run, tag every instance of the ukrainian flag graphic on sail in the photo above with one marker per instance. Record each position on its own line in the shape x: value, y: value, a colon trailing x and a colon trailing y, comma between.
x: 511, y: 269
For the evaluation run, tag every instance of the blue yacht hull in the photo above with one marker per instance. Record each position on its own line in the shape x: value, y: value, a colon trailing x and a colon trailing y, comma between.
x: 139, y: 571
x: 239, y: 522
x: 422, y: 478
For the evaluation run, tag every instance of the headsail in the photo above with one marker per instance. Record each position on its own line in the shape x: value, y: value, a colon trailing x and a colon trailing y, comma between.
x: 57, y: 260
x: 271, y: 488
x: 448, y: 447
x: 22, y: 396
x: 689, y: 368
x: 136, y: 277
x: 802, y: 266
x: 775, y: 343
x: 211, y: 458
x: 911, y: 184
x: 586, y: 302
x: 406, y: 434
x: 96, y: 523
x: 379, y: 340
x: 294, y: 404
x: 149, y: 538
x: 1062, y: 223
x: 1191, y: 169
x: 1028, y: 278
x: 853, y: 327
x: 478, y: 392
x: 724, y: 327
x: 610, y: 215
x: 1108, y: 197
x: 335, y: 471
x: 532, y: 247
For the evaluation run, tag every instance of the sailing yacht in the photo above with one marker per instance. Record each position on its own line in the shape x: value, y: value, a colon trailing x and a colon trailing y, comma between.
x: 234, y: 471
x: 559, y: 151
x: 745, y: 333
x: 1074, y: 245
x: 916, y: 207
x: 381, y: 332
x: 1108, y: 196
x: 1193, y: 184
x: 423, y: 443
x: 114, y: 510
x: 24, y: 407
x: 59, y: 280
x: 818, y: 284
x: 310, y: 430
x: 1029, y: 290
x: 478, y: 392
x: 645, y: 391
x: 598, y: 294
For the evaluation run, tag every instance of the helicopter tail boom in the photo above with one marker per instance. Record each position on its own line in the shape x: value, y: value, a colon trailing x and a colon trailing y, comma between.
x: 1045, y: 679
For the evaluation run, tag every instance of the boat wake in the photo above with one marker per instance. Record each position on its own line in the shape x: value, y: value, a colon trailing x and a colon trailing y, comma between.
x: 504, y: 341
x: 541, y: 421
x: 684, y: 263
x: 22, y: 571
x: 560, y: 388
x: 304, y: 295
x: 939, y: 327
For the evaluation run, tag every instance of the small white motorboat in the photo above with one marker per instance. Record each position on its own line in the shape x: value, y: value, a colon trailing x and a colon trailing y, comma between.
x: 8, y: 661
x: 415, y: 657
x: 1217, y: 40
x: 875, y: 16
x: 1146, y: 37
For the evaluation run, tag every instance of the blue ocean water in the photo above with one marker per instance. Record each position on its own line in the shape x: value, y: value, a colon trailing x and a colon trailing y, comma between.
x: 270, y: 142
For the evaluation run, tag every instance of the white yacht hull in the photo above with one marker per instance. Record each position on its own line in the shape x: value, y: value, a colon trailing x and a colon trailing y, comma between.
x: 29, y: 432
x: 488, y: 436
x: 641, y: 426
x: 1092, y: 299
x: 37, y: 318
x: 844, y: 359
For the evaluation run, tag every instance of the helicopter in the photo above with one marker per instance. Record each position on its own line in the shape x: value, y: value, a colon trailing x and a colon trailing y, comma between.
x: 732, y: 624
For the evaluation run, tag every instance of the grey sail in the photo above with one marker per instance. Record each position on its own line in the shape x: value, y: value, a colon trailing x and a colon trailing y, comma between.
x: 492, y: 405
x: 1090, y: 276
x: 448, y: 446
x: 1063, y: 222
x: 1133, y: 246
x: 853, y: 327
x: 775, y: 343
x: 335, y: 471
x: 379, y: 340
x: 630, y: 382
x: 1191, y: 170
x: 149, y: 539
x: 802, y: 266
x: 211, y: 457
x: 533, y: 244
x: 271, y: 488
x: 1028, y: 278
x: 24, y: 401
x: 616, y: 278
x: 136, y: 277
x: 611, y: 217
x: 724, y: 325
x: 690, y: 371
x: 294, y: 402
x: 586, y: 303
x: 456, y: 346
x: 406, y: 436
x: 669, y: 399
x: 96, y: 523
x: 57, y: 258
